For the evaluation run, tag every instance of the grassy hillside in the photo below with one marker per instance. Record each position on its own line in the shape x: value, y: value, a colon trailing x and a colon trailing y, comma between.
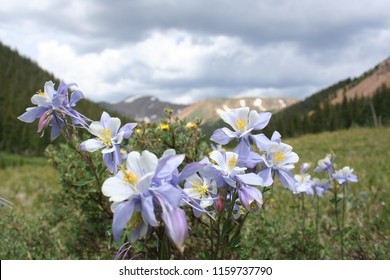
x: 31, y: 231
x: 367, y: 151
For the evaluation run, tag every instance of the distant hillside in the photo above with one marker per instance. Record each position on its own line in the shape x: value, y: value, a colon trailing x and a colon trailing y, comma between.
x: 142, y: 108
x: 362, y: 101
x: 208, y: 109
x: 21, y: 78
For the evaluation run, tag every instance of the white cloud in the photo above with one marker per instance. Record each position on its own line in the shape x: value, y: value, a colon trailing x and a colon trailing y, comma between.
x: 186, y: 51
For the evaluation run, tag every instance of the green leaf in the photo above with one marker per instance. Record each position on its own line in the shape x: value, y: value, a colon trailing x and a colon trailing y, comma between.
x: 83, y: 182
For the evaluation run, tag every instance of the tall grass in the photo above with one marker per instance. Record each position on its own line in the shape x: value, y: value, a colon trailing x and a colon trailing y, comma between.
x: 29, y: 231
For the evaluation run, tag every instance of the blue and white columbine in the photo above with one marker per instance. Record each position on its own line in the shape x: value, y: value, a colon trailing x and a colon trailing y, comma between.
x: 243, y: 123
x: 109, y: 137
x: 145, y: 191
x: 53, y: 106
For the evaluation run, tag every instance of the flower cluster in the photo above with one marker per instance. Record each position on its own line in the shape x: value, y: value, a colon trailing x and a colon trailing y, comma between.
x: 316, y: 186
x: 53, y: 108
x: 149, y: 193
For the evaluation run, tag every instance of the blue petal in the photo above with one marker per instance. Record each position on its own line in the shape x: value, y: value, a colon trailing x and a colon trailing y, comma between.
x: 266, y: 174
x: 243, y: 150
x: 105, y: 119
x: 148, y: 211
x: 176, y: 227
x: 168, y: 195
x: 190, y: 169
x: 261, y: 141
x: 32, y: 114
x: 55, y: 130
x: 220, y: 137
x: 251, y: 179
x: 263, y: 120
x: 127, y: 129
x: 287, y: 179
x: 167, y: 165
x: 122, y: 215
x: 75, y: 97
x: 253, y: 160
x: 209, y: 172
x: 276, y: 137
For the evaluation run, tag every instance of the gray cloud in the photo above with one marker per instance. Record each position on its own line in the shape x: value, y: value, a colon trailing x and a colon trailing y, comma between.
x: 196, y: 49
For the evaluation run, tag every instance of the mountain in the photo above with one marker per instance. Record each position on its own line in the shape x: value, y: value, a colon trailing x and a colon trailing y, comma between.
x: 367, y: 85
x: 142, y: 108
x: 209, y: 109
x: 20, y: 79
x: 360, y: 101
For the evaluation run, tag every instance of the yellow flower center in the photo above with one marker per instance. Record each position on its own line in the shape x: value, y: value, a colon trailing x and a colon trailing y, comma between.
x: 241, y: 125
x: 278, y: 157
x: 130, y: 177
x: 201, y: 189
x: 42, y: 93
x: 135, y: 221
x: 232, y: 162
x: 105, y: 137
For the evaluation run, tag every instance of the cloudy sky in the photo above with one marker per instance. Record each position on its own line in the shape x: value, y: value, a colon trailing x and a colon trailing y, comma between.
x: 186, y: 50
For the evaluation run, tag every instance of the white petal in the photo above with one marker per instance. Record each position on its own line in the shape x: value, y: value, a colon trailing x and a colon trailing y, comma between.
x: 148, y: 161
x: 133, y: 164
x: 230, y: 133
x: 144, y: 183
x: 114, y: 125
x: 40, y: 100
x: 91, y: 145
x: 49, y: 89
x: 219, y: 159
x: 207, y: 201
x: 117, y: 189
x: 108, y: 150
x: 169, y: 152
x: 228, y: 118
x: 119, y: 137
x: 253, y: 118
x: 291, y: 158
x: 194, y: 178
x: 96, y: 128
x: 242, y: 113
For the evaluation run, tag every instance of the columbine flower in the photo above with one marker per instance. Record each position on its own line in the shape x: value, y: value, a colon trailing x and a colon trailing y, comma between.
x: 227, y: 168
x: 202, y: 190
x: 345, y: 174
x: 52, y: 108
x: 109, y: 138
x: 243, y: 123
x: 279, y: 158
x: 250, y: 197
x: 305, y: 167
x: 320, y: 186
x: 325, y: 164
x: 303, y: 184
x: 146, y: 183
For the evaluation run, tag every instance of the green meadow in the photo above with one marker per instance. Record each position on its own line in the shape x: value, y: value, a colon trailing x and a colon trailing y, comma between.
x: 288, y: 226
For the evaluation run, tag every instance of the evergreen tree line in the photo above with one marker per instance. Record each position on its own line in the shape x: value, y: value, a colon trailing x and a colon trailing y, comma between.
x: 360, y: 111
x: 20, y: 79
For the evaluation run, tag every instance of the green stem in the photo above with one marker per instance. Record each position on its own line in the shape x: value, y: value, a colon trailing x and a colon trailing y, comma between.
x: 303, y: 217
x: 211, y: 226
x: 342, y: 222
x: 317, y: 225
x: 336, y: 207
